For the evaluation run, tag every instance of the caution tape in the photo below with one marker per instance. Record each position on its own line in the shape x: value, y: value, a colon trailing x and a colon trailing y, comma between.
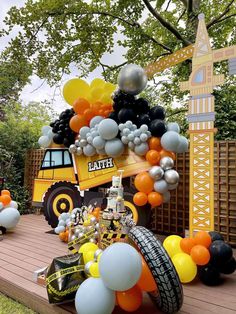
x: 108, y: 238
x: 80, y: 241
x: 63, y: 272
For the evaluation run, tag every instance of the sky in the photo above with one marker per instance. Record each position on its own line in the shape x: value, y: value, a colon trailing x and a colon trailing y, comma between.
x: 38, y: 90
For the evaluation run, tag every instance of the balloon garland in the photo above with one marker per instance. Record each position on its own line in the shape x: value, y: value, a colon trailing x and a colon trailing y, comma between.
x: 9, y: 214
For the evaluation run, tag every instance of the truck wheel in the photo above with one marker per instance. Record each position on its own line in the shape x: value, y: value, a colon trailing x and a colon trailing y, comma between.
x: 141, y: 214
x: 169, y: 297
x: 60, y: 198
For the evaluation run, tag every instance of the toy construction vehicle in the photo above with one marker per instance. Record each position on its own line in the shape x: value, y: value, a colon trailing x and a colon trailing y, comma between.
x: 66, y: 181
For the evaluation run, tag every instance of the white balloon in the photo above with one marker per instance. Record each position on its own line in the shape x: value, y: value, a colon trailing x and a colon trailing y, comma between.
x: 170, y: 141
x: 114, y: 147
x: 62, y: 223
x: 183, y: 145
x: 141, y: 149
x: 99, y: 142
x: 93, y: 297
x: 50, y: 134
x: 9, y: 217
x: 95, y: 120
x: 120, y: 266
x: 173, y: 126
x: 84, y: 131
x: 59, y: 229
x: 45, y: 129
x: 44, y: 141
x: 125, y: 140
x: 64, y: 216
x: 89, y: 150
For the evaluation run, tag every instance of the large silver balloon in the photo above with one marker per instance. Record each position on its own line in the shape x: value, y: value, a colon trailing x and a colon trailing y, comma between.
x: 156, y: 172
x: 171, y: 176
x: 132, y: 79
x: 161, y: 186
x: 166, y: 163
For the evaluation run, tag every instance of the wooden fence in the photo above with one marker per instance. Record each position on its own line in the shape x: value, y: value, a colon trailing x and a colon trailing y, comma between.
x: 173, y: 218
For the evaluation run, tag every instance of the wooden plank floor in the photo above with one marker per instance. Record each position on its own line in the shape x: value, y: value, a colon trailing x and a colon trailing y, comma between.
x: 30, y: 248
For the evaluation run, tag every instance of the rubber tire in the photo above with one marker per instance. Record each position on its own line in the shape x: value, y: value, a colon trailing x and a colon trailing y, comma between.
x: 144, y: 212
x: 54, y: 190
x: 170, y: 296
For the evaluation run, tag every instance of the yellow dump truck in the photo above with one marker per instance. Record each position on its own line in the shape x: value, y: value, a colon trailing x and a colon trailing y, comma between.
x: 66, y: 181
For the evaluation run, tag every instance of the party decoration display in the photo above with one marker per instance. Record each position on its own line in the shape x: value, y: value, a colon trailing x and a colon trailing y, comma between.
x: 9, y: 214
x: 204, y: 253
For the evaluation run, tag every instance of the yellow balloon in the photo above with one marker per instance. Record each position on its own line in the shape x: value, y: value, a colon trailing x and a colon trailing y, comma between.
x: 172, y: 245
x: 97, y: 82
x: 75, y: 88
x: 94, y: 270
x: 88, y: 256
x: 89, y: 246
x: 106, y: 98
x: 86, y: 223
x: 109, y: 87
x: 185, y: 267
x: 96, y: 93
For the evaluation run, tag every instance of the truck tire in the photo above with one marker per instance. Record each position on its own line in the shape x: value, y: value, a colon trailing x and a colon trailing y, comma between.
x: 169, y: 297
x: 60, y: 197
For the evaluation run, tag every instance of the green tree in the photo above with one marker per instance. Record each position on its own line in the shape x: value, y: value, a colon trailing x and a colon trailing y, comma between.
x: 19, y: 132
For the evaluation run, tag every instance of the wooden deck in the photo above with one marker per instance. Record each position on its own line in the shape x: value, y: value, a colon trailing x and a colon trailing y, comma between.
x: 30, y: 248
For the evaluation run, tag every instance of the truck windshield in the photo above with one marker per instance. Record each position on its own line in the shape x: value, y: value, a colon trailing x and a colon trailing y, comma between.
x: 56, y: 159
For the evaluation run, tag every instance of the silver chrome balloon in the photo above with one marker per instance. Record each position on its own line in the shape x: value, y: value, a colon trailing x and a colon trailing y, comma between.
x: 156, y: 172
x: 97, y: 226
x: 171, y: 176
x: 96, y: 234
x: 77, y: 143
x: 93, y: 220
x: 72, y: 237
x: 87, y: 267
x: 172, y: 186
x: 80, y: 235
x: 72, y: 149
x: 166, y: 163
x: 92, y: 240
x: 79, y: 151
x: 97, y: 253
x: 83, y: 142
x: 132, y: 79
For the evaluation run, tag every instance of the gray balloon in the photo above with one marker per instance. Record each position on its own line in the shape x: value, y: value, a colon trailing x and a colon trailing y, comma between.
x: 79, y: 151
x: 166, y: 197
x: 161, y: 186
x: 183, y: 145
x: 125, y: 140
x: 166, y: 163
x: 143, y: 137
x: 171, y: 176
x: 172, y: 186
x: 84, y: 131
x: 173, y: 126
x: 141, y: 149
x: 101, y: 151
x: 95, y: 120
x: 132, y: 79
x: 156, y: 172
x: 89, y: 150
x: 131, y: 145
x: 137, y: 141
x: 44, y: 141
x: 99, y: 142
x: 170, y: 141
x: 83, y: 142
x: 108, y: 129
x: 72, y: 149
x: 77, y: 142
x: 114, y: 147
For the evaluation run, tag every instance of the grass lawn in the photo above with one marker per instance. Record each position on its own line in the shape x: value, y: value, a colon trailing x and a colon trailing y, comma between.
x: 9, y: 306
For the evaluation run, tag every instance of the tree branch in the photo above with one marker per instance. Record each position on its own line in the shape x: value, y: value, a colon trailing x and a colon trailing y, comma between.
x: 177, y: 112
x: 226, y: 17
x: 218, y: 18
x: 185, y: 2
x: 181, y: 15
x: 166, y: 24
x: 190, y: 7
x: 167, y: 7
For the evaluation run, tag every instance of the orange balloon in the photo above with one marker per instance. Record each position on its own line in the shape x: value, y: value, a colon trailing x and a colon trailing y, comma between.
x: 130, y: 300
x: 165, y: 153
x: 143, y: 182
x: 5, y: 192
x: 77, y: 122
x: 146, y: 281
x: 5, y: 199
x: 97, y: 104
x: 155, y: 143
x: 200, y: 255
x: 202, y: 238
x: 187, y: 244
x: 80, y: 105
x: 101, y: 112
x: 89, y: 114
x: 153, y: 157
x: 140, y: 198
x: 107, y: 112
x: 155, y: 199
x: 62, y: 236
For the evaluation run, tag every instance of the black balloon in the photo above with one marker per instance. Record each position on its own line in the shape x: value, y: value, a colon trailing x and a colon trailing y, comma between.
x: 126, y: 114
x: 157, y: 112
x: 220, y: 252
x: 58, y: 139
x: 209, y: 275
x: 117, y: 106
x: 157, y: 127
x: 143, y: 119
x: 215, y: 236
x: 229, y: 267
x: 113, y: 116
x: 141, y: 106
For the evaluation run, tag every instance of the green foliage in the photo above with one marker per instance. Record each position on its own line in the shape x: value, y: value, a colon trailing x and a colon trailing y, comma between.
x: 19, y: 132
x: 8, y: 305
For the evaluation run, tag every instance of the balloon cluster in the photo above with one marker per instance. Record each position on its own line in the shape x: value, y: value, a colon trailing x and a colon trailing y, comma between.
x: 99, y: 138
x: 45, y: 139
x: 9, y: 214
x: 63, y: 134
x: 206, y: 255
x: 117, y: 274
